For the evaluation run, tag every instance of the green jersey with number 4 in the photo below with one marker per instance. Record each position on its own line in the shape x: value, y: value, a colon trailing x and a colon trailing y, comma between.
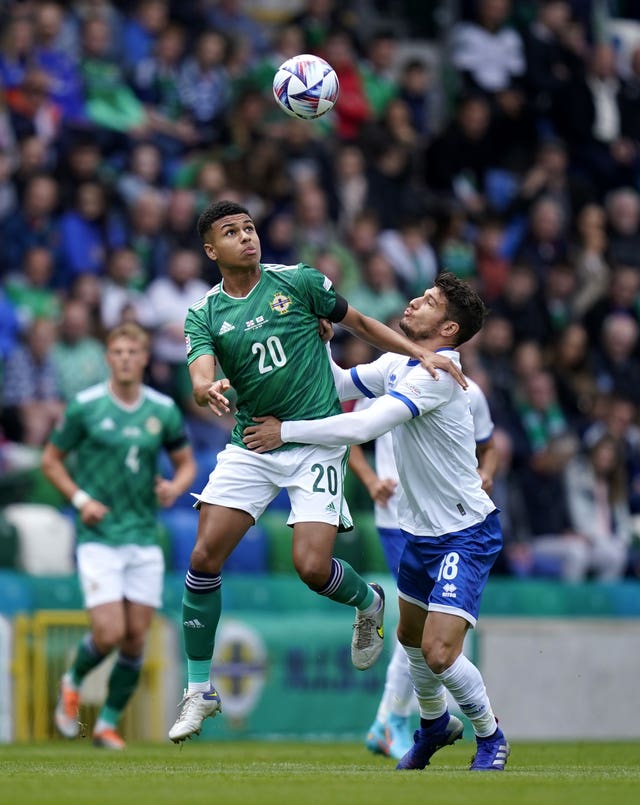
x: 268, y: 346
x: 114, y: 451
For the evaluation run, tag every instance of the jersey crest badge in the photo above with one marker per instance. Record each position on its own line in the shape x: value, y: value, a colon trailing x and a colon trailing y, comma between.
x: 280, y: 303
x: 153, y: 425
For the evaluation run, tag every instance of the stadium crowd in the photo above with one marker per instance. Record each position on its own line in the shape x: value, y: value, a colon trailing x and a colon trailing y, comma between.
x: 504, y: 148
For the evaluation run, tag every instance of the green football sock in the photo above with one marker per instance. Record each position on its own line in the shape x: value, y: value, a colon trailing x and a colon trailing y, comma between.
x: 200, y: 616
x: 123, y: 681
x: 86, y: 659
x: 346, y: 586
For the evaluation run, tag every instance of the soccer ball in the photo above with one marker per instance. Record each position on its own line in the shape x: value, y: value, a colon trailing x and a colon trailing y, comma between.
x: 306, y: 86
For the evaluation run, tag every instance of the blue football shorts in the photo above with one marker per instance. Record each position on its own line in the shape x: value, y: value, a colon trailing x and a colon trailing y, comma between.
x: 392, y: 541
x: 448, y: 573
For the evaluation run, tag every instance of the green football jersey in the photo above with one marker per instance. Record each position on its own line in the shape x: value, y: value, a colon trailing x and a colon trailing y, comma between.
x: 267, y: 344
x: 114, y: 453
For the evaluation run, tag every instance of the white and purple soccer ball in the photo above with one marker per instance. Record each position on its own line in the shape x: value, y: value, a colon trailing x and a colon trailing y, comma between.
x: 306, y: 86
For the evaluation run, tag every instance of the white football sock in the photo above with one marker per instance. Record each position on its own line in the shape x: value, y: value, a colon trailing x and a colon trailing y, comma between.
x: 464, y: 681
x: 398, y: 697
x: 429, y: 690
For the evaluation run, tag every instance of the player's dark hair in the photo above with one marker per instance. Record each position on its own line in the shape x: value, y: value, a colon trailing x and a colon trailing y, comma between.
x: 215, y: 211
x: 464, y: 306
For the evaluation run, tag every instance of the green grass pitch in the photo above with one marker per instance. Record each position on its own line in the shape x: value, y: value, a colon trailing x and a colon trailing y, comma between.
x: 216, y: 773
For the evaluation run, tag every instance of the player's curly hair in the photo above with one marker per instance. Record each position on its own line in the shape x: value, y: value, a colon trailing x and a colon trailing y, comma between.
x: 215, y: 211
x: 464, y: 305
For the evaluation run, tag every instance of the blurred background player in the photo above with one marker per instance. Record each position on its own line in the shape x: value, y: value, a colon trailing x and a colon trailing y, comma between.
x: 115, y: 432
x: 391, y: 734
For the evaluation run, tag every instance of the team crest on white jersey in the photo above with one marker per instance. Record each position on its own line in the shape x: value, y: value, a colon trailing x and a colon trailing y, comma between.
x: 280, y: 303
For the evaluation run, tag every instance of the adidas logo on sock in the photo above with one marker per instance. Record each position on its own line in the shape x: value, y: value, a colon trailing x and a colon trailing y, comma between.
x: 194, y: 624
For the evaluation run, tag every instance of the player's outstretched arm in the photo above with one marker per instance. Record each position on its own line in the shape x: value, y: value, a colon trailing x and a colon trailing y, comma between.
x: 379, y: 335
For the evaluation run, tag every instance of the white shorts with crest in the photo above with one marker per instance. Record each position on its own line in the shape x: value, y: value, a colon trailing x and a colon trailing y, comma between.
x: 313, y: 477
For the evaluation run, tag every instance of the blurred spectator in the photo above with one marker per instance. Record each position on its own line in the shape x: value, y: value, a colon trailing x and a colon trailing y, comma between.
x: 141, y: 30
x: 548, y: 177
x: 354, y: 108
x: 87, y: 288
x: 456, y: 252
x: 156, y: 83
x: 599, y: 510
x: 16, y: 51
x: 619, y: 420
x: 111, y: 104
x: 588, y: 251
x: 457, y: 160
x: 61, y: 67
x: 492, y: 264
x: 545, y: 240
x: 623, y: 216
x: 121, y: 298
x: 180, y: 229
x: 412, y: 256
x: 486, y: 51
x: 88, y: 231
x: 33, y: 159
x: 30, y: 290
x: 32, y: 110
x: 520, y: 303
x: 623, y: 296
x: 142, y: 174
x: 551, y: 63
x: 378, y: 70
x: 416, y: 89
x: 494, y: 350
x: 169, y: 298
x: 230, y: 18
x: 572, y: 370
x: 278, y: 239
x: 392, y: 194
x: 558, y: 290
x: 31, y: 402
x: 35, y: 223
x: 317, y: 20
x: 146, y: 235
x: 316, y: 232
x: 543, y: 445
x: 592, y: 119
x: 616, y: 365
x: 204, y: 85
x: 77, y: 356
x: 378, y: 294
x: 82, y: 161
x: 351, y: 183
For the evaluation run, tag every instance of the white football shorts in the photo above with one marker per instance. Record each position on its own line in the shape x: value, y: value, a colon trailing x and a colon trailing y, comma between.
x: 117, y: 572
x: 313, y: 477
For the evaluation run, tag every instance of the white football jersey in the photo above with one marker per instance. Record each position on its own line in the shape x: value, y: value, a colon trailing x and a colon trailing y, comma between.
x: 384, y: 460
x: 440, y: 490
